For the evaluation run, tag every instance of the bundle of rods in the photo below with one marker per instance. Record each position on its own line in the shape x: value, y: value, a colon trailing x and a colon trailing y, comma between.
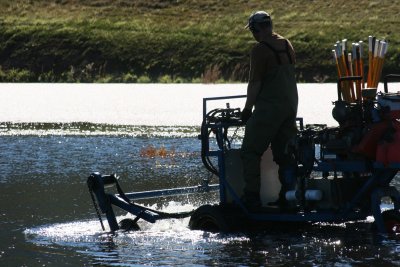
x: 352, y: 64
x: 376, y: 56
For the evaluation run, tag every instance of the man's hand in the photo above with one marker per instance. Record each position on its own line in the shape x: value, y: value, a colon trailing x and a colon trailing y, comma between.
x: 245, y: 115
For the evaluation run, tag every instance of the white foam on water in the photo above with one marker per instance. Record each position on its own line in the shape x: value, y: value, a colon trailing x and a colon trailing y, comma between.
x: 83, y: 233
x: 166, y: 242
x: 176, y: 230
x: 70, y: 232
x: 171, y: 242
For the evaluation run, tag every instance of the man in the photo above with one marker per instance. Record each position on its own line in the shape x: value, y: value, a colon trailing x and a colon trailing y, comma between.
x: 272, y: 91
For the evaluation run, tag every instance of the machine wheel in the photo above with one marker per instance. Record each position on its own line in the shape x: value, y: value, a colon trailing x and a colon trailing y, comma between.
x: 391, y: 219
x: 128, y: 225
x: 208, y: 218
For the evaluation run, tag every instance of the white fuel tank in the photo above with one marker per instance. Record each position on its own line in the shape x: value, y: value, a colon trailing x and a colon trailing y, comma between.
x: 270, y: 184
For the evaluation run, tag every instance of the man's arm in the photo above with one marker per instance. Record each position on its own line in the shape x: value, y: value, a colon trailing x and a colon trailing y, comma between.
x: 253, y: 88
x: 257, y: 70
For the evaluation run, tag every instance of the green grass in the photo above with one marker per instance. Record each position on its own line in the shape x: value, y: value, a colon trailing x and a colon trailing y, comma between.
x: 177, y: 41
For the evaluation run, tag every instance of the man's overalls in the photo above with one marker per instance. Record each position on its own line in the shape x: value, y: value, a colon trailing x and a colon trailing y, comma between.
x: 272, y: 122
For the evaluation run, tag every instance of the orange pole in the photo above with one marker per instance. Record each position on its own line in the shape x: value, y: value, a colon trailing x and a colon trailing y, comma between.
x: 371, y: 44
x: 361, y: 63
x: 357, y: 71
x: 337, y: 63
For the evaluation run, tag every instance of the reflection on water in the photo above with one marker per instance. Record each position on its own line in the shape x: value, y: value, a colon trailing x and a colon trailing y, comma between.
x: 43, y: 182
x: 93, y: 129
x: 52, y: 213
x: 171, y: 243
x: 46, y: 155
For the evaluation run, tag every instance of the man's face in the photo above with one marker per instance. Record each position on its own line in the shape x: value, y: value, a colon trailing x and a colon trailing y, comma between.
x: 256, y: 35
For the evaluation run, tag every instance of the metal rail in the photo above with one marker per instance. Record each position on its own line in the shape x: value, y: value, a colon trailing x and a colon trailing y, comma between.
x: 173, y: 192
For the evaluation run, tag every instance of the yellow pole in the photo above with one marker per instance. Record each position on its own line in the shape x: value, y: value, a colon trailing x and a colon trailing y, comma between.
x: 377, y: 50
x: 344, y: 61
x: 381, y: 59
x: 341, y: 68
x: 350, y: 72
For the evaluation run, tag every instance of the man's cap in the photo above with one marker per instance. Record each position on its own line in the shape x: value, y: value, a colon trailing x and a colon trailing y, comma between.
x: 258, y: 17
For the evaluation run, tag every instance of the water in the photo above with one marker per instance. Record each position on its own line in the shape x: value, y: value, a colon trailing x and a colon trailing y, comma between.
x: 52, y: 136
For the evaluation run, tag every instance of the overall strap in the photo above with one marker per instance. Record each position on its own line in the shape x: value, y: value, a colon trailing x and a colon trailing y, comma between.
x: 277, y: 52
x: 288, y: 52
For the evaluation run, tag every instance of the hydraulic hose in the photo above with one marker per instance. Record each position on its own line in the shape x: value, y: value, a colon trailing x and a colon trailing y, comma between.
x: 218, y: 115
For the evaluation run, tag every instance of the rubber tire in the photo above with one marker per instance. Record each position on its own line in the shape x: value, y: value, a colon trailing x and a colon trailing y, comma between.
x: 391, y: 218
x: 128, y: 225
x: 209, y: 218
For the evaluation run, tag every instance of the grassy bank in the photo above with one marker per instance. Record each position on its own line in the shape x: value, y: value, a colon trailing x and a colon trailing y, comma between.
x: 177, y: 41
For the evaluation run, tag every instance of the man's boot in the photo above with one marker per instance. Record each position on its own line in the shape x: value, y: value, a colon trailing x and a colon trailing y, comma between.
x: 288, y: 180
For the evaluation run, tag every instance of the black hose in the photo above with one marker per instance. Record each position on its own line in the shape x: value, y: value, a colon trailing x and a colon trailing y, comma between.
x: 213, y: 116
